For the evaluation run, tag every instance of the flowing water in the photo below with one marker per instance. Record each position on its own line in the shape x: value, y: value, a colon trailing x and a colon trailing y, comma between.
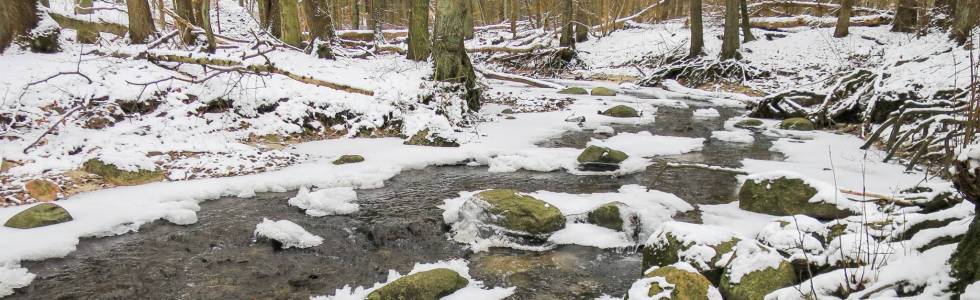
x: 398, y: 225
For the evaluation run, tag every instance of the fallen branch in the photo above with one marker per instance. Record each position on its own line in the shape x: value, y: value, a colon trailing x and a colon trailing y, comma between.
x: 520, y: 79
x: 505, y: 49
x: 73, y: 23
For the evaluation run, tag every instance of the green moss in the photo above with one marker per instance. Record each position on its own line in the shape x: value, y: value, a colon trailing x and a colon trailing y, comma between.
x: 422, y: 138
x: 666, y: 254
x: 621, y: 111
x: 574, y: 91
x: 749, y: 123
x: 428, y: 285
x: 596, y: 154
x: 687, y: 285
x: 801, y: 124
x: 348, y: 159
x: 114, y: 175
x: 507, y: 111
x: 43, y: 214
x: 756, y: 285
x: 607, y: 216
x: 601, y: 91
x: 522, y: 212
x: 785, y: 197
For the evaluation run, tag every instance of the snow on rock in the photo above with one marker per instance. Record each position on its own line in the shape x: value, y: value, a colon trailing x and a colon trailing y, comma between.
x: 826, y: 192
x: 972, y: 292
x: 326, y: 202
x: 599, y: 237
x: 474, y: 290
x: 931, y: 274
x: 287, y: 233
x: 799, y: 236
x: 732, y: 218
x: 705, y: 113
x: 751, y: 257
x: 645, y: 144
x: 735, y: 136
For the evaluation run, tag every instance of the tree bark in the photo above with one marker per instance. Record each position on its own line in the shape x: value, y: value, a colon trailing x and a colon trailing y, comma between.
x: 581, y: 21
x: 140, y: 21
x: 355, y: 15
x: 377, y: 20
x: 289, y: 16
x: 941, y: 14
x: 746, y: 27
x: 318, y: 18
x: 418, y: 31
x: 514, y: 8
x: 451, y: 62
x: 567, y: 26
x: 967, y: 13
x: 964, y: 262
x: 204, y: 11
x: 185, y: 9
x: 270, y: 16
x: 85, y: 35
x: 17, y: 18
x: 729, y: 43
x: 905, y: 16
x: 697, y: 30
x: 843, y: 19
x: 467, y: 19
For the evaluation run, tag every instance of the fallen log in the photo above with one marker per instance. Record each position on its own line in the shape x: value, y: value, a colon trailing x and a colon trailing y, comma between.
x: 789, y: 8
x: 505, y: 49
x: 101, y: 26
x: 520, y: 79
x: 368, y: 35
x: 776, y: 23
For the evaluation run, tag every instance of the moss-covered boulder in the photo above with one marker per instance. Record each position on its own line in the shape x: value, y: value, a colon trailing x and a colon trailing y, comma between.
x: 601, y: 91
x: 608, y: 215
x: 621, y: 111
x: 42, y: 190
x: 43, y: 214
x: 749, y: 123
x: 348, y: 159
x: 507, y: 111
x: 784, y: 196
x: 596, y: 158
x: 801, y: 124
x: 755, y: 285
x: 423, y: 138
x: 669, y: 243
x: 114, y: 175
x: 522, y: 213
x: 573, y: 91
x: 427, y: 285
x: 686, y: 285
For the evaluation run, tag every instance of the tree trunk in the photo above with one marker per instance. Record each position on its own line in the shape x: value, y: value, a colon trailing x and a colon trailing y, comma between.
x: 185, y: 10
x: 140, y: 21
x: 697, y: 30
x: 17, y: 17
x: 269, y: 16
x: 843, y: 19
x: 377, y: 20
x: 451, y: 62
x: 85, y: 35
x: 355, y: 15
x: 964, y: 262
x: 746, y: 26
x: 514, y: 8
x: 967, y: 13
x: 418, y: 31
x: 289, y: 17
x: 581, y: 21
x: 567, y: 26
x: 467, y: 19
x: 204, y: 11
x: 905, y: 16
x: 729, y: 43
x: 318, y: 18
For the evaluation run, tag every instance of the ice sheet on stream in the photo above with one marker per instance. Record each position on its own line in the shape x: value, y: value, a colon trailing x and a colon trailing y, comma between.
x: 474, y: 289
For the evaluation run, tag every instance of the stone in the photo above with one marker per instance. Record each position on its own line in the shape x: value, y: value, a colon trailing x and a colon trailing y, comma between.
x: 422, y: 138
x: 114, y: 175
x: 673, y: 238
x: 42, y: 189
x: 507, y: 111
x: 749, y: 123
x: 786, y: 197
x: 756, y: 285
x: 596, y: 158
x: 523, y: 213
x: 621, y: 111
x: 428, y: 285
x: 608, y: 216
x: 601, y: 91
x: 573, y: 91
x: 348, y: 159
x: 800, y: 124
x: 687, y: 285
x: 43, y: 214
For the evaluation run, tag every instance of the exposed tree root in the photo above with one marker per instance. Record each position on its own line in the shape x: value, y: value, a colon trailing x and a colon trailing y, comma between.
x: 698, y: 71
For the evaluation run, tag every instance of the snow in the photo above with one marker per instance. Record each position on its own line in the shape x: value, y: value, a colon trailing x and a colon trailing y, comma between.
x: 736, y: 136
x: 646, y: 144
x: 474, y: 290
x: 706, y: 113
x: 598, y: 236
x: 972, y: 292
x: 287, y: 233
x: 326, y: 202
x: 751, y: 257
x: 826, y: 192
x: 733, y: 218
x: 795, y: 235
x: 13, y: 276
x: 640, y: 289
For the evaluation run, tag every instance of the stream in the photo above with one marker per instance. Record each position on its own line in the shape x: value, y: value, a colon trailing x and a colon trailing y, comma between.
x: 397, y: 226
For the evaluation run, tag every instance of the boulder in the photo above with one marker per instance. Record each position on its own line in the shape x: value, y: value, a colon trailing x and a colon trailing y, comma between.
x: 573, y: 91
x: 674, y: 242
x: 686, y: 284
x: 785, y: 196
x: 508, y: 111
x: 621, y: 111
x: 749, y: 123
x: 114, y: 175
x: 518, y: 212
x: 607, y: 215
x: 596, y: 158
x: 348, y: 159
x: 754, y: 272
x: 423, y: 138
x: 801, y: 124
x: 601, y: 91
x: 428, y: 285
x: 43, y: 214
x: 42, y: 190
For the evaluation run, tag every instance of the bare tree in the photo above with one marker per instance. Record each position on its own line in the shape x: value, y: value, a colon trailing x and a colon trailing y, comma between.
x: 289, y: 16
x: 729, y: 43
x: 140, y: 21
x: 746, y: 25
x: 418, y: 31
x: 449, y: 55
x: 967, y: 13
x: 17, y: 18
x: 905, y: 16
x: 843, y: 19
x: 318, y: 18
x: 697, y: 30
x: 567, y: 25
x: 355, y: 15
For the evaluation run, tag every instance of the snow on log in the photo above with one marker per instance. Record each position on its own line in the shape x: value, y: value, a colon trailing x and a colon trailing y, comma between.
x: 99, y: 26
x: 774, y: 23
x: 520, y: 79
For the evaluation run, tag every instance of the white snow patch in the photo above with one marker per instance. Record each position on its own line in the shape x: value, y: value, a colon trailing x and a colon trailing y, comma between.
x: 287, y: 233
x: 735, y: 136
x: 705, y: 113
x: 474, y: 290
x: 750, y: 256
x: 646, y: 144
x: 13, y: 276
x: 326, y: 202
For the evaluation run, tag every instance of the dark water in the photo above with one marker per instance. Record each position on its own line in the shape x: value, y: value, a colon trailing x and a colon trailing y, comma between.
x: 398, y: 225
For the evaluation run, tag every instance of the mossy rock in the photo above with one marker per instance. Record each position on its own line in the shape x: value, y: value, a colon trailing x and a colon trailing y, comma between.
x: 114, y: 175
x: 597, y: 154
x: 574, y: 91
x: 687, y: 285
x: 785, y: 197
x: 749, y: 123
x: 422, y: 138
x: 608, y: 216
x: 665, y: 254
x: 621, y: 111
x: 507, y: 111
x: 801, y: 124
x: 601, y: 91
x: 427, y: 285
x: 42, y: 190
x: 348, y: 159
x: 46, y: 41
x: 43, y: 214
x: 757, y: 284
x: 522, y: 213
